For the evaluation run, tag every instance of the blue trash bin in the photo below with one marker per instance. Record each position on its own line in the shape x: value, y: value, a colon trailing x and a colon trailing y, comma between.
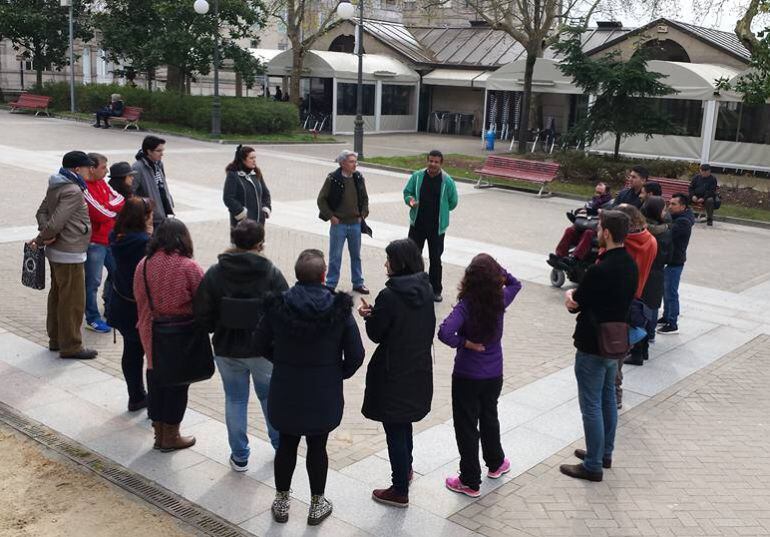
x: 489, y: 137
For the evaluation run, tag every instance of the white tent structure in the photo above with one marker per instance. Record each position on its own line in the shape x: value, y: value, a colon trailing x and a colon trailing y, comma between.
x: 391, y: 89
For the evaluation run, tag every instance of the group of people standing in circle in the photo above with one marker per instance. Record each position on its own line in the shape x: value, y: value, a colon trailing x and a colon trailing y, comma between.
x: 296, y: 344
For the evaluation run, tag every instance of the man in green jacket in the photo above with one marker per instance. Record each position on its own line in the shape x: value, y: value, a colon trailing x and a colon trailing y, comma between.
x: 431, y: 193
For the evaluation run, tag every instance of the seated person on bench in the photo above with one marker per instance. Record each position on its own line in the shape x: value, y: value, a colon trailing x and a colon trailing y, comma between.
x: 114, y: 109
x: 703, y: 189
x: 581, y: 238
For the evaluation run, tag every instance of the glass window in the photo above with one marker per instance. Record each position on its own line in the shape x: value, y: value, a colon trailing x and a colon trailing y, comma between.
x: 748, y: 123
x: 686, y: 115
x: 397, y: 100
x: 346, y: 99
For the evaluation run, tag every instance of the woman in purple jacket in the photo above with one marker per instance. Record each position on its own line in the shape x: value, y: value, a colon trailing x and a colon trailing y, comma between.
x: 475, y: 328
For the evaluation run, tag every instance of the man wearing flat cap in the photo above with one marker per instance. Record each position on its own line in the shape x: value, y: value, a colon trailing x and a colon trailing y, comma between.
x: 65, y: 230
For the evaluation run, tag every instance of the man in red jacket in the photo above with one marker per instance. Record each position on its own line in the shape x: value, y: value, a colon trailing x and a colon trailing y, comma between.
x: 103, y: 207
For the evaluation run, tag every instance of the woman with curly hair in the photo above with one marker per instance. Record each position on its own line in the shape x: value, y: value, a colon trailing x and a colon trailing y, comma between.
x: 475, y: 328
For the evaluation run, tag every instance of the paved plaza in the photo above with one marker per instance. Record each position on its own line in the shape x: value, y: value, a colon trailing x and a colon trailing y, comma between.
x: 691, y: 453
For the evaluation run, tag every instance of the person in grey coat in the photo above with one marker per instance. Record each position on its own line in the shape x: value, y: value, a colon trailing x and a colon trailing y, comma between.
x: 245, y: 193
x: 150, y: 181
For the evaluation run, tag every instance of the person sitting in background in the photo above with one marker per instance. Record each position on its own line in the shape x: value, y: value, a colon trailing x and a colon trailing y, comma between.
x: 703, y: 189
x: 580, y: 238
x: 114, y: 109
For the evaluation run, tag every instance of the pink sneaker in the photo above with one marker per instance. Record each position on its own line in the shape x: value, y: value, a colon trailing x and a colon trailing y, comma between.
x: 504, y: 469
x: 455, y: 485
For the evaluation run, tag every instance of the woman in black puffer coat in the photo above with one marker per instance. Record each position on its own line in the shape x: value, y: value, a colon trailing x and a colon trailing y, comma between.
x: 399, y: 380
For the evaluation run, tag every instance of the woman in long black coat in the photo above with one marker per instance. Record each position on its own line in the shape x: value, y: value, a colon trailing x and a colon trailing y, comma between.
x: 652, y: 295
x: 399, y: 380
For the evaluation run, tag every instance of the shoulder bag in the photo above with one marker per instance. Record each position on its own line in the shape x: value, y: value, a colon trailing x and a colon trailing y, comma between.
x: 613, y: 340
x: 181, y: 348
x: 33, y: 267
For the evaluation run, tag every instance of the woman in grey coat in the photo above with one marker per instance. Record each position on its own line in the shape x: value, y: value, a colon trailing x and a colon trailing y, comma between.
x: 150, y: 181
x: 245, y: 193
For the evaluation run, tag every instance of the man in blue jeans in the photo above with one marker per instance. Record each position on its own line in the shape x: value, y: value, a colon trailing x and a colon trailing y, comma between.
x: 604, y: 296
x: 682, y: 220
x: 344, y: 203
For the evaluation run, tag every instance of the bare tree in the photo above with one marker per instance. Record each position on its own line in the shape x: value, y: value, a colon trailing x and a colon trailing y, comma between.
x: 305, y: 22
x: 535, y: 25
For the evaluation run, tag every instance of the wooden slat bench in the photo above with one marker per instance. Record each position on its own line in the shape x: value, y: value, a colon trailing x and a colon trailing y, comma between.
x: 531, y: 171
x: 30, y: 101
x: 131, y: 116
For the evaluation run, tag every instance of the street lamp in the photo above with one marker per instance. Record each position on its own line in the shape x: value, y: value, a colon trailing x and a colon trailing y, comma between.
x: 68, y: 3
x: 345, y: 10
x: 202, y: 7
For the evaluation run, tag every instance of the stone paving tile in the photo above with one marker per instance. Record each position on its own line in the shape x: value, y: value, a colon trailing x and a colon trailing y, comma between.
x: 691, y: 461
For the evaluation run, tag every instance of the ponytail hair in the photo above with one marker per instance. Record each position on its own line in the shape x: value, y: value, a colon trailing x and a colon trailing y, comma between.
x: 241, y: 152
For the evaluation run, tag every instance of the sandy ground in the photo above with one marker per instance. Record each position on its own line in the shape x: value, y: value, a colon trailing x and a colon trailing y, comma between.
x: 45, y: 495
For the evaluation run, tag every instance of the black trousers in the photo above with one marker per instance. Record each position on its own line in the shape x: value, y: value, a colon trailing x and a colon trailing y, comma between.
x: 166, y: 404
x: 708, y: 204
x: 474, y: 410
x: 132, y: 363
x: 316, y: 461
x: 399, y: 438
x: 435, y: 249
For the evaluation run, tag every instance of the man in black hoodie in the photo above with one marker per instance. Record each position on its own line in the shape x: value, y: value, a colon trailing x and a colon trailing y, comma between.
x: 703, y: 189
x: 681, y: 228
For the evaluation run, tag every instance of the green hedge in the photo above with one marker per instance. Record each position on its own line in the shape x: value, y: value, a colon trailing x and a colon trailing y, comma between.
x: 240, y: 115
x: 577, y: 167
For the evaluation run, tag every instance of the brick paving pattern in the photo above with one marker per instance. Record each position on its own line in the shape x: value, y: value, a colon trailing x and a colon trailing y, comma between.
x: 692, y: 461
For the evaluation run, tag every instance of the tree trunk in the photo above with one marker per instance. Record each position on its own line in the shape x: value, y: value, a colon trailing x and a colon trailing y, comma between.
x: 238, y: 84
x: 174, y: 79
x: 39, y: 77
x: 526, y: 99
x: 297, y: 58
x: 618, y: 136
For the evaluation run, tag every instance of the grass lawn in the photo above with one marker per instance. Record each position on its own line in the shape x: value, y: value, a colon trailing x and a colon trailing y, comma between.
x: 462, y: 166
x: 299, y: 136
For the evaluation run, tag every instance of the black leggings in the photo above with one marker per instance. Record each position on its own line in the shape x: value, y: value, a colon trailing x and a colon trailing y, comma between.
x: 316, y: 461
x: 132, y: 363
x: 166, y: 403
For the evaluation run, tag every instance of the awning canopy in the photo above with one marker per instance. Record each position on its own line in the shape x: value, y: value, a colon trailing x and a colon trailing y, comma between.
x: 465, y: 78
x: 342, y: 65
x: 264, y: 55
x: 695, y: 81
x: 547, y: 78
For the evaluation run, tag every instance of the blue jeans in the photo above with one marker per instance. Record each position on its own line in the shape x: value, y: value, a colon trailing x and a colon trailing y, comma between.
x: 235, y: 373
x: 98, y: 258
x: 338, y: 234
x: 671, y: 277
x: 596, y: 393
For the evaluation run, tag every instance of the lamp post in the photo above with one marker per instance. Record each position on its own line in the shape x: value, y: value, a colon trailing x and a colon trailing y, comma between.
x: 68, y: 3
x: 345, y: 10
x: 202, y: 7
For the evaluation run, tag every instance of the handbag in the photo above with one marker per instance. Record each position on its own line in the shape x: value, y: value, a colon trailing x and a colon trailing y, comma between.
x: 365, y: 229
x: 613, y: 340
x: 181, y: 348
x: 33, y: 267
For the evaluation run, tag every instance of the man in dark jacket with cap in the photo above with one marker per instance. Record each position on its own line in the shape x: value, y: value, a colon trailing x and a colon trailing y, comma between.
x: 65, y: 230
x: 703, y: 189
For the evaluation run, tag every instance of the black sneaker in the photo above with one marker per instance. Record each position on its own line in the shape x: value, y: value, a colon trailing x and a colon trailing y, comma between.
x: 662, y: 320
x: 239, y: 466
x: 437, y: 297
x: 668, y: 328
x: 709, y: 222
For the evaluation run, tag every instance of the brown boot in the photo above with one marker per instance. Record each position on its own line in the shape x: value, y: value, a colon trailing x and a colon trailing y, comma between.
x: 172, y: 440
x: 158, y: 428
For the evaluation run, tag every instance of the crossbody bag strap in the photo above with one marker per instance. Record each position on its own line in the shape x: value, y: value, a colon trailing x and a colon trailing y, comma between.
x: 147, y: 286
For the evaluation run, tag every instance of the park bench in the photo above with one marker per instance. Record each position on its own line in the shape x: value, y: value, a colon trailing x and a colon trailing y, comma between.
x: 30, y: 101
x: 531, y: 171
x: 130, y: 115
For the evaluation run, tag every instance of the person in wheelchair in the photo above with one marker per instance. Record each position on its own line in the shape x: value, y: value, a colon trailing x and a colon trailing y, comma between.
x: 580, y: 235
